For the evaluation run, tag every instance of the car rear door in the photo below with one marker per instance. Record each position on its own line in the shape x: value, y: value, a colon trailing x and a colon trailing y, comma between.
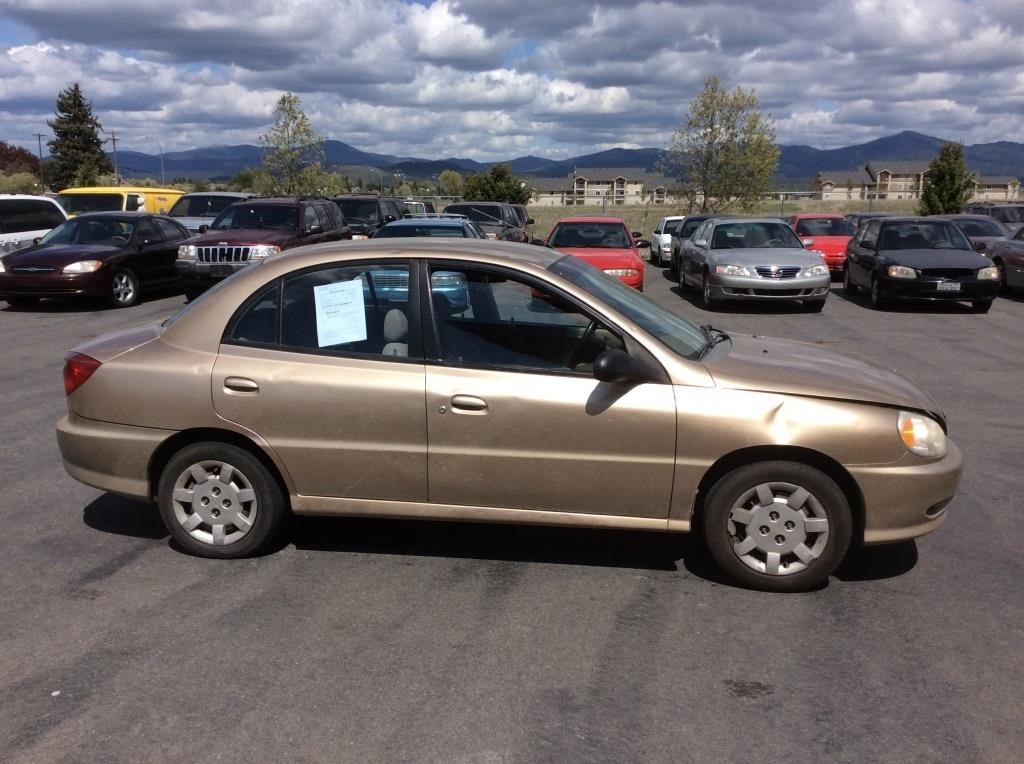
x: 515, y: 418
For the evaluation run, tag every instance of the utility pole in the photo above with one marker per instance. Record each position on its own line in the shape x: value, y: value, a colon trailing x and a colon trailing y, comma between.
x: 113, y: 143
x: 42, y: 178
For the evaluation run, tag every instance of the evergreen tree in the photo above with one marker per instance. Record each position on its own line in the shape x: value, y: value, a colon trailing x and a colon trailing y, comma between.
x: 498, y: 184
x: 948, y: 184
x: 76, y: 151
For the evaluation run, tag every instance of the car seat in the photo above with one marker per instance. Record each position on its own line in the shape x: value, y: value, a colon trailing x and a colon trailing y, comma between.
x: 891, y: 239
x: 396, y: 333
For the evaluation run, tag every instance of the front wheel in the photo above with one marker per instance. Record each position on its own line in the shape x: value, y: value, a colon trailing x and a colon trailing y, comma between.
x: 19, y: 303
x: 124, y: 289
x: 709, y: 301
x: 814, y: 306
x: 878, y: 300
x: 777, y: 526
x: 218, y: 500
x: 981, y: 306
x: 849, y: 288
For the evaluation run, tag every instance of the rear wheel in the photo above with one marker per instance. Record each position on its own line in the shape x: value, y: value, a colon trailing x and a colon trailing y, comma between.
x: 707, y: 298
x: 124, y: 289
x: 218, y: 500
x: 981, y: 306
x: 22, y: 302
x: 777, y: 526
x: 849, y: 288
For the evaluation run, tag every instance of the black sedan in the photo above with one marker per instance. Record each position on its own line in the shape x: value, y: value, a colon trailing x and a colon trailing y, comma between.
x: 109, y: 255
x: 918, y: 258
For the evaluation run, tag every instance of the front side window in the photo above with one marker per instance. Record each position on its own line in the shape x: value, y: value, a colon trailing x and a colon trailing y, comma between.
x: 488, y: 318
x: 171, y: 231
x: 309, y: 218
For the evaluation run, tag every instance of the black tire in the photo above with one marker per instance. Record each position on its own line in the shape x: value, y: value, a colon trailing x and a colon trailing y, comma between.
x: 681, y: 279
x: 813, y: 537
x: 673, y: 265
x: 194, y: 527
x: 849, y: 288
x: 878, y: 300
x: 192, y: 293
x: 709, y: 302
x: 1004, y: 288
x: 124, y: 289
x: 814, y: 306
x: 981, y: 306
x: 20, y: 303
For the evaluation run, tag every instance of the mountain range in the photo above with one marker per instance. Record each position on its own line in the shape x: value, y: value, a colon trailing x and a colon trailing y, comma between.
x: 795, y: 162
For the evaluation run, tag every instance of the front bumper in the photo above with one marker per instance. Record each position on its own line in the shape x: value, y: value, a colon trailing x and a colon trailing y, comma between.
x: 193, y: 272
x: 907, y: 499
x: 929, y: 289
x: 55, y: 284
x: 111, y: 457
x: 756, y: 288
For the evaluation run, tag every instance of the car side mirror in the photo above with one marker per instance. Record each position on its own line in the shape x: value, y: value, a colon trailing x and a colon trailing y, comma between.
x: 315, y: 229
x: 389, y: 218
x: 702, y: 243
x: 37, y: 240
x: 637, y: 234
x: 642, y: 243
x: 529, y: 221
x: 615, y: 365
x: 807, y: 242
x: 539, y: 242
x: 204, y: 228
x: 979, y: 246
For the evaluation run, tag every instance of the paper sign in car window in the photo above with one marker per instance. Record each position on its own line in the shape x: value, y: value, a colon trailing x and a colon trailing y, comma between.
x: 340, y: 313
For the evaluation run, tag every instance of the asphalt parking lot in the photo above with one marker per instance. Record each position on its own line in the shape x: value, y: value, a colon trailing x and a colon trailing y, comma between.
x: 432, y: 642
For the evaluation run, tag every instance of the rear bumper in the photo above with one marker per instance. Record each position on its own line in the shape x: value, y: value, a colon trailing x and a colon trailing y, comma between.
x: 908, y: 499
x: 111, y: 457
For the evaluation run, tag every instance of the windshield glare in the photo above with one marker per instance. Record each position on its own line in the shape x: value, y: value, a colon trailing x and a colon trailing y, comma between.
x: 923, y: 235
x: 101, y: 231
x: 281, y: 217
x: 597, y: 235
x: 985, y: 227
x: 76, y: 204
x: 674, y: 332
x: 200, y: 206
x: 481, y: 214
x: 754, y: 235
x: 359, y: 210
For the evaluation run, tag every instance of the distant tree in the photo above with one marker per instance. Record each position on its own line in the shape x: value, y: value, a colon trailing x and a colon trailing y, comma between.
x: 16, y: 159
x: 255, y: 180
x: 314, y: 180
x: 76, y: 150
x: 290, y: 145
x: 725, y: 153
x: 948, y: 184
x: 498, y: 184
x: 19, y: 183
x: 200, y: 185
x: 450, y: 183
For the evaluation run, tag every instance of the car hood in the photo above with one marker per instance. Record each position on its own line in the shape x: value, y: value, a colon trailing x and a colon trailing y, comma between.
x: 603, y: 257
x: 766, y: 256
x: 829, y: 243
x: 243, y: 236
x: 936, y: 258
x: 193, y: 223
x: 768, y: 364
x: 58, y: 255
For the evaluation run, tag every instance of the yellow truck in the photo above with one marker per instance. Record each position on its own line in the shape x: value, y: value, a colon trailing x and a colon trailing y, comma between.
x: 75, y: 201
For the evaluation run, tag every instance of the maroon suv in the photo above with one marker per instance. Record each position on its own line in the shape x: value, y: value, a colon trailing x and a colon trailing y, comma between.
x: 249, y: 231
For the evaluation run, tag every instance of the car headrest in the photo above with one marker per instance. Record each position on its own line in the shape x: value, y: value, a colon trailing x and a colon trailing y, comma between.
x: 396, y: 326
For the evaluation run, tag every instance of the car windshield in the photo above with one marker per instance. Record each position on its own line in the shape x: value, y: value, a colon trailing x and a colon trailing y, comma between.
x: 754, y: 234
x: 282, y: 217
x: 359, y: 210
x: 982, y: 227
x: 200, y: 206
x: 671, y: 330
x: 488, y: 215
x: 922, y: 235
x: 825, y: 227
x: 397, y: 231
x: 597, y: 235
x: 76, y: 204
x: 103, y: 231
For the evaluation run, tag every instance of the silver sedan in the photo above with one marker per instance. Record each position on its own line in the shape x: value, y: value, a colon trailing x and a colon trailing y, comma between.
x: 752, y: 259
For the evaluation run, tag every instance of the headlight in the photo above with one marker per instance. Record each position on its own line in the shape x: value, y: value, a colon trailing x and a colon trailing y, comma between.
x: 631, y: 273
x: 901, y: 272
x: 83, y: 266
x: 922, y: 434
x: 815, y: 270
x: 263, y: 250
x: 359, y: 236
x: 187, y: 252
x: 733, y: 270
x: 989, y: 273
x: 2, y: 269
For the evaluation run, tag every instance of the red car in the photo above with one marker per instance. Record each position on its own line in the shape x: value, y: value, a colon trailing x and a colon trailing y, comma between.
x: 604, y: 242
x: 828, y: 234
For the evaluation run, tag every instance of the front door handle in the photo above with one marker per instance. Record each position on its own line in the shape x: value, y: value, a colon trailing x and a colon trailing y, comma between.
x: 468, y: 404
x: 241, y: 385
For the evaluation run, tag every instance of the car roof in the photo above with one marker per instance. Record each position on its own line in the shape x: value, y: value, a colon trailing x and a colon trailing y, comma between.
x: 233, y: 194
x: 747, y: 220
x: 809, y: 215
x: 35, y: 197
x: 591, y: 219
x: 422, y: 220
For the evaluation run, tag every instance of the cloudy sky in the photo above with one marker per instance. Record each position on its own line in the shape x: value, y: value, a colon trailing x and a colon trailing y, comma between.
x: 491, y: 79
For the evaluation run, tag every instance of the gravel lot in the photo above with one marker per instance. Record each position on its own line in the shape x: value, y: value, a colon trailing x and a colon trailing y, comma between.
x: 383, y: 641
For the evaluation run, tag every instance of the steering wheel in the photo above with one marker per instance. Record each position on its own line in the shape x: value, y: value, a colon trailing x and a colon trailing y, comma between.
x: 119, y: 241
x: 577, y: 352
x: 775, y: 243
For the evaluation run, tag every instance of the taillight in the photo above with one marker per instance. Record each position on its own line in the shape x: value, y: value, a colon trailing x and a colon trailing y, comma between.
x: 77, y: 369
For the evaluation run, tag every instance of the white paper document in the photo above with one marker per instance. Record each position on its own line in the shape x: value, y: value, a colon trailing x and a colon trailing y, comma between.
x: 340, y: 313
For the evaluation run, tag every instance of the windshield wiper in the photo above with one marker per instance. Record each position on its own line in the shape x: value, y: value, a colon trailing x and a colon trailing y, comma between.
x: 712, y: 337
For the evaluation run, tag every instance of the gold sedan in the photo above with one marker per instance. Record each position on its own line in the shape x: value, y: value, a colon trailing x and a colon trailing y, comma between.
x: 491, y: 382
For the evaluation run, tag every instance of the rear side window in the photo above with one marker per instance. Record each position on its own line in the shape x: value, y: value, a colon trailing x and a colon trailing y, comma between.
x: 257, y: 323
x: 20, y: 215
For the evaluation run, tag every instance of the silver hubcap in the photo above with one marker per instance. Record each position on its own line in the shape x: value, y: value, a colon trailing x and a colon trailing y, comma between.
x: 778, y: 528
x: 214, y: 503
x: 707, y: 291
x: 124, y: 290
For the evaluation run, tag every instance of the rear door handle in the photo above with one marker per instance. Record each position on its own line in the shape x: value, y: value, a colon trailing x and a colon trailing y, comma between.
x: 468, y: 404
x: 241, y: 385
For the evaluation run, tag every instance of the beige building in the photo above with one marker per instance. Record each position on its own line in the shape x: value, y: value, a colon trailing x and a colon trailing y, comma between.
x: 601, y: 186
x: 896, y: 179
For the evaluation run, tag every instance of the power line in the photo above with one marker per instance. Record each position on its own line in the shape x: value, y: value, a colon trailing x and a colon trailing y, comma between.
x: 113, y: 143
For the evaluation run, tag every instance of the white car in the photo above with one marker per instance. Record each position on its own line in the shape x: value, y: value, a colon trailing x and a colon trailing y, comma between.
x: 661, y: 239
x: 24, y: 218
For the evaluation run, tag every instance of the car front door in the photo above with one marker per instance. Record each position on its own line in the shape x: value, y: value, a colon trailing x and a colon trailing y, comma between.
x: 863, y: 252
x: 515, y: 418
x: 149, y: 252
x: 173, y: 235
x: 695, y: 254
x: 326, y: 367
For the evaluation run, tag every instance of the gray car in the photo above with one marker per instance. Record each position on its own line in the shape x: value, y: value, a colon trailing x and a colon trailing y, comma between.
x: 201, y: 207
x: 752, y: 259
